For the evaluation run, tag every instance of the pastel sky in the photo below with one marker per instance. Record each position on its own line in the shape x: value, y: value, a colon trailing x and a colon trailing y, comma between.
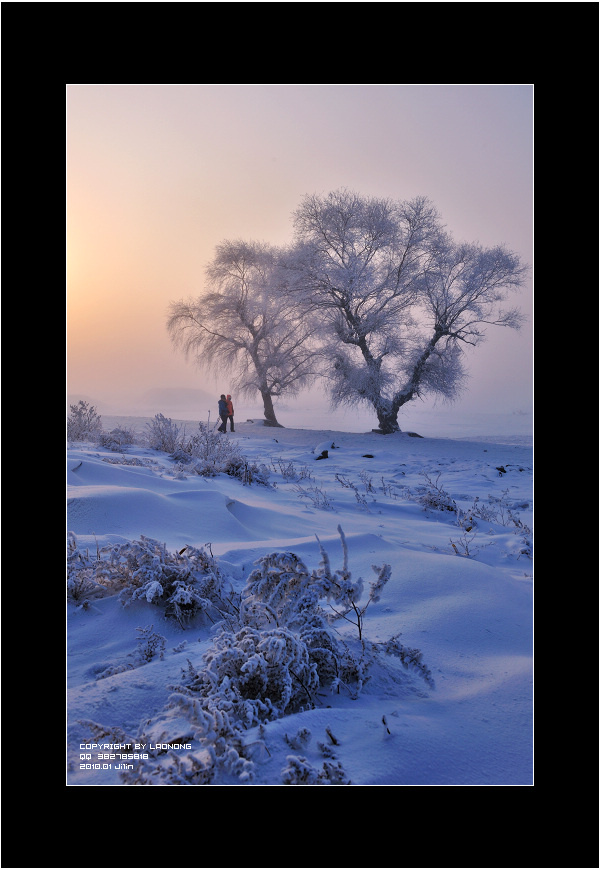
x: 158, y: 175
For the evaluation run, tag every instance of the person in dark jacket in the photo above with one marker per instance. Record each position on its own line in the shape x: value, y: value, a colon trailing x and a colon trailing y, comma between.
x: 230, y: 412
x: 223, y: 413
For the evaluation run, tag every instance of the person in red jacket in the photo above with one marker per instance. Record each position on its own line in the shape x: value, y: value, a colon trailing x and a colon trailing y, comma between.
x: 230, y: 413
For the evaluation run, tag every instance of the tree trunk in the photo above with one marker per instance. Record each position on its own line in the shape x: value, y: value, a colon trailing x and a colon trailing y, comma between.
x: 388, y: 422
x: 387, y: 413
x: 270, y: 418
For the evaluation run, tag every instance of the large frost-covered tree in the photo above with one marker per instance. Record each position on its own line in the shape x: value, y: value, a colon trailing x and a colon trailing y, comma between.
x: 397, y: 298
x: 246, y: 326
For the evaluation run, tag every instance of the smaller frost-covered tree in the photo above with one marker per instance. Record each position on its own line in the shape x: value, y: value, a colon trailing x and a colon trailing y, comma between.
x: 246, y: 326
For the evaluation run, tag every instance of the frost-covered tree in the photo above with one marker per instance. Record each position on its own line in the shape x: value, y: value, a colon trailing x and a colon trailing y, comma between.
x: 398, y: 300
x: 246, y: 326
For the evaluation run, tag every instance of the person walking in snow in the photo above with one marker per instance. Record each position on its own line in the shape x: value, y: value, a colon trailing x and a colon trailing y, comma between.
x: 223, y: 413
x: 230, y: 412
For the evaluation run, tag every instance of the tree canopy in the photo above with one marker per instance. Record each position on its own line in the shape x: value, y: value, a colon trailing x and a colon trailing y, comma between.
x: 398, y: 298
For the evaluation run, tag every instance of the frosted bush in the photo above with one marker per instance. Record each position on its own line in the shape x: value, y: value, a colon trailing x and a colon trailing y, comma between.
x: 300, y: 772
x: 433, y: 497
x: 82, y: 585
x: 162, y: 434
x: 133, y: 461
x: 207, y: 443
x: 247, y: 677
x: 206, y: 452
x: 81, y: 589
x: 186, y: 584
x: 282, y: 592
x: 412, y: 659
x: 247, y: 472
x: 83, y: 423
x: 117, y: 439
x: 150, y: 644
x: 274, y: 648
x: 209, y: 453
x: 221, y: 755
x: 301, y: 739
x: 256, y: 675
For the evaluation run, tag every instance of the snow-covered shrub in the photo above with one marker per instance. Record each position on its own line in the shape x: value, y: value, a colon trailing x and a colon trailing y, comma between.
x: 300, y: 740
x: 288, y: 471
x: 81, y: 589
x: 300, y: 772
x: 185, y: 584
x: 211, y: 452
x: 117, y: 439
x: 131, y: 460
x: 502, y: 510
x: 467, y: 526
x: 163, y: 434
x: 499, y: 510
x: 83, y: 423
x: 389, y: 489
x: 360, y: 497
x: 150, y: 644
x: 247, y: 677
x: 433, y: 497
x: 272, y: 652
x: 167, y: 767
x: 82, y: 586
x: 345, y: 594
x: 206, y: 452
x: 255, y: 675
x: 340, y: 664
x: 115, y: 669
x: 412, y: 659
x: 247, y: 472
x: 181, y: 457
x: 281, y: 591
x: 221, y: 755
x: 317, y: 496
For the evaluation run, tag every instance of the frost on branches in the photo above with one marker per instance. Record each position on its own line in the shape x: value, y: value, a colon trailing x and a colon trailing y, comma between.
x: 274, y: 653
x: 187, y: 585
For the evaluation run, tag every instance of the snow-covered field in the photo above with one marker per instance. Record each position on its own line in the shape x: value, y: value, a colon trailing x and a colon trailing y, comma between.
x: 460, y: 591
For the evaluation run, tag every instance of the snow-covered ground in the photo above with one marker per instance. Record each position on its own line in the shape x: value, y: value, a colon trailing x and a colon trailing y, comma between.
x: 463, y: 598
